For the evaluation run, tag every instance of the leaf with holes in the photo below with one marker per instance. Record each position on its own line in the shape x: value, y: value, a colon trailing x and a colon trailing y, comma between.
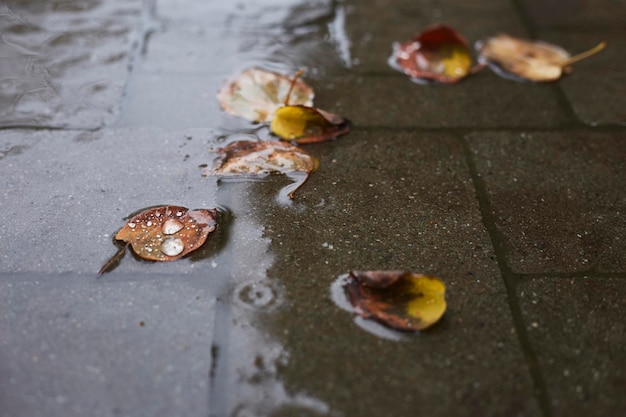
x: 401, y: 300
x: 261, y: 158
x: 255, y: 94
x: 439, y: 54
x: 525, y: 60
x: 165, y: 233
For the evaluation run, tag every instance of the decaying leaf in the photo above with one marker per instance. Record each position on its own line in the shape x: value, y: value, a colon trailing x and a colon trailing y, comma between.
x: 255, y: 94
x: 522, y: 59
x: 401, y: 300
x: 303, y: 124
x: 262, y: 157
x: 165, y: 233
x: 439, y: 54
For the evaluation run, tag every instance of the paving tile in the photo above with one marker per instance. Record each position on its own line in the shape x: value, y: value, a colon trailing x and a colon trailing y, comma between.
x: 373, y: 27
x: 597, y: 88
x: 557, y: 198
x: 224, y: 39
x: 575, y: 327
x: 384, y: 200
x: 65, y: 64
x: 67, y: 193
x: 578, y: 15
x: 73, y: 347
x: 394, y: 101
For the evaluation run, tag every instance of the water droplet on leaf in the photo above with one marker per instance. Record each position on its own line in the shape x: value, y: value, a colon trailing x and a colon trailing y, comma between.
x: 172, y: 246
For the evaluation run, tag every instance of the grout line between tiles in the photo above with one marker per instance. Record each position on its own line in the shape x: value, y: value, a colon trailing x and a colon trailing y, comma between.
x: 510, y: 283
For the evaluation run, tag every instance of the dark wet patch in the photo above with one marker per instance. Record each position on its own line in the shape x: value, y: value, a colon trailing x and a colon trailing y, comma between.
x: 88, y: 136
x: 12, y: 151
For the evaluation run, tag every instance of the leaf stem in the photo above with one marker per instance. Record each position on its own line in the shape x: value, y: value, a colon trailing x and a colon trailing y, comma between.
x: 573, y: 59
x: 293, y: 84
x: 115, y: 258
x: 298, y: 186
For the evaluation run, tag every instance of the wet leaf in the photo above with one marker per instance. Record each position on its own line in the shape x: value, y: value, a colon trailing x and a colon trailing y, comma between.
x: 255, y: 94
x: 303, y: 124
x: 439, y: 54
x: 262, y: 157
x: 401, y: 300
x: 165, y: 233
x: 521, y: 59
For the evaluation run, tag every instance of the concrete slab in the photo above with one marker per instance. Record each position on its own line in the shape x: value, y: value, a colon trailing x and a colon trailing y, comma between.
x: 596, y: 90
x: 575, y: 327
x: 376, y: 26
x: 385, y: 200
x: 66, y: 64
x: 579, y: 16
x: 76, y: 346
x: 557, y: 198
x: 486, y: 100
x: 67, y: 192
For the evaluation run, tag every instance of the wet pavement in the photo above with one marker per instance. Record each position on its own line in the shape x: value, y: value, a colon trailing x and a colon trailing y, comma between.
x: 513, y: 194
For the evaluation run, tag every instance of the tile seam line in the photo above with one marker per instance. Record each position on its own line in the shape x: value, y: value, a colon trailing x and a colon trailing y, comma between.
x: 510, y: 283
x: 465, y: 129
x: 560, y: 96
x: 568, y: 275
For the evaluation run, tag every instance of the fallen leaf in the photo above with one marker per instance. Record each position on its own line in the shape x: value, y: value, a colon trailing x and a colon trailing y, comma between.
x: 255, y: 94
x: 439, y: 54
x: 262, y: 157
x: 165, y: 233
x: 521, y: 59
x: 401, y: 300
x: 303, y: 124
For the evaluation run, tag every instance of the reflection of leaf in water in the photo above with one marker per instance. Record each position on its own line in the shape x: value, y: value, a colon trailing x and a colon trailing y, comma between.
x: 256, y: 94
x: 526, y: 60
x: 262, y: 157
x: 439, y: 54
x: 165, y: 233
x: 400, y: 300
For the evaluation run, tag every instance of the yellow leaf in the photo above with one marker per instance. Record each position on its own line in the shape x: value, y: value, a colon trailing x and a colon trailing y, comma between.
x: 303, y: 124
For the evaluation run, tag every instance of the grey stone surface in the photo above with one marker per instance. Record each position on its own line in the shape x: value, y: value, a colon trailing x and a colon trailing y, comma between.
x: 597, y: 88
x: 377, y: 25
x: 486, y: 100
x: 577, y: 16
x: 558, y: 198
x: 74, y: 346
x: 65, y: 63
x: 509, y: 192
x: 576, y: 328
x: 67, y: 192
x: 389, y: 201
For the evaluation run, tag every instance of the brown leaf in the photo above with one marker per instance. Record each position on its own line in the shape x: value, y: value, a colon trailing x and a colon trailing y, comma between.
x: 521, y: 59
x: 398, y: 299
x: 439, y: 54
x: 262, y: 157
x: 168, y: 233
